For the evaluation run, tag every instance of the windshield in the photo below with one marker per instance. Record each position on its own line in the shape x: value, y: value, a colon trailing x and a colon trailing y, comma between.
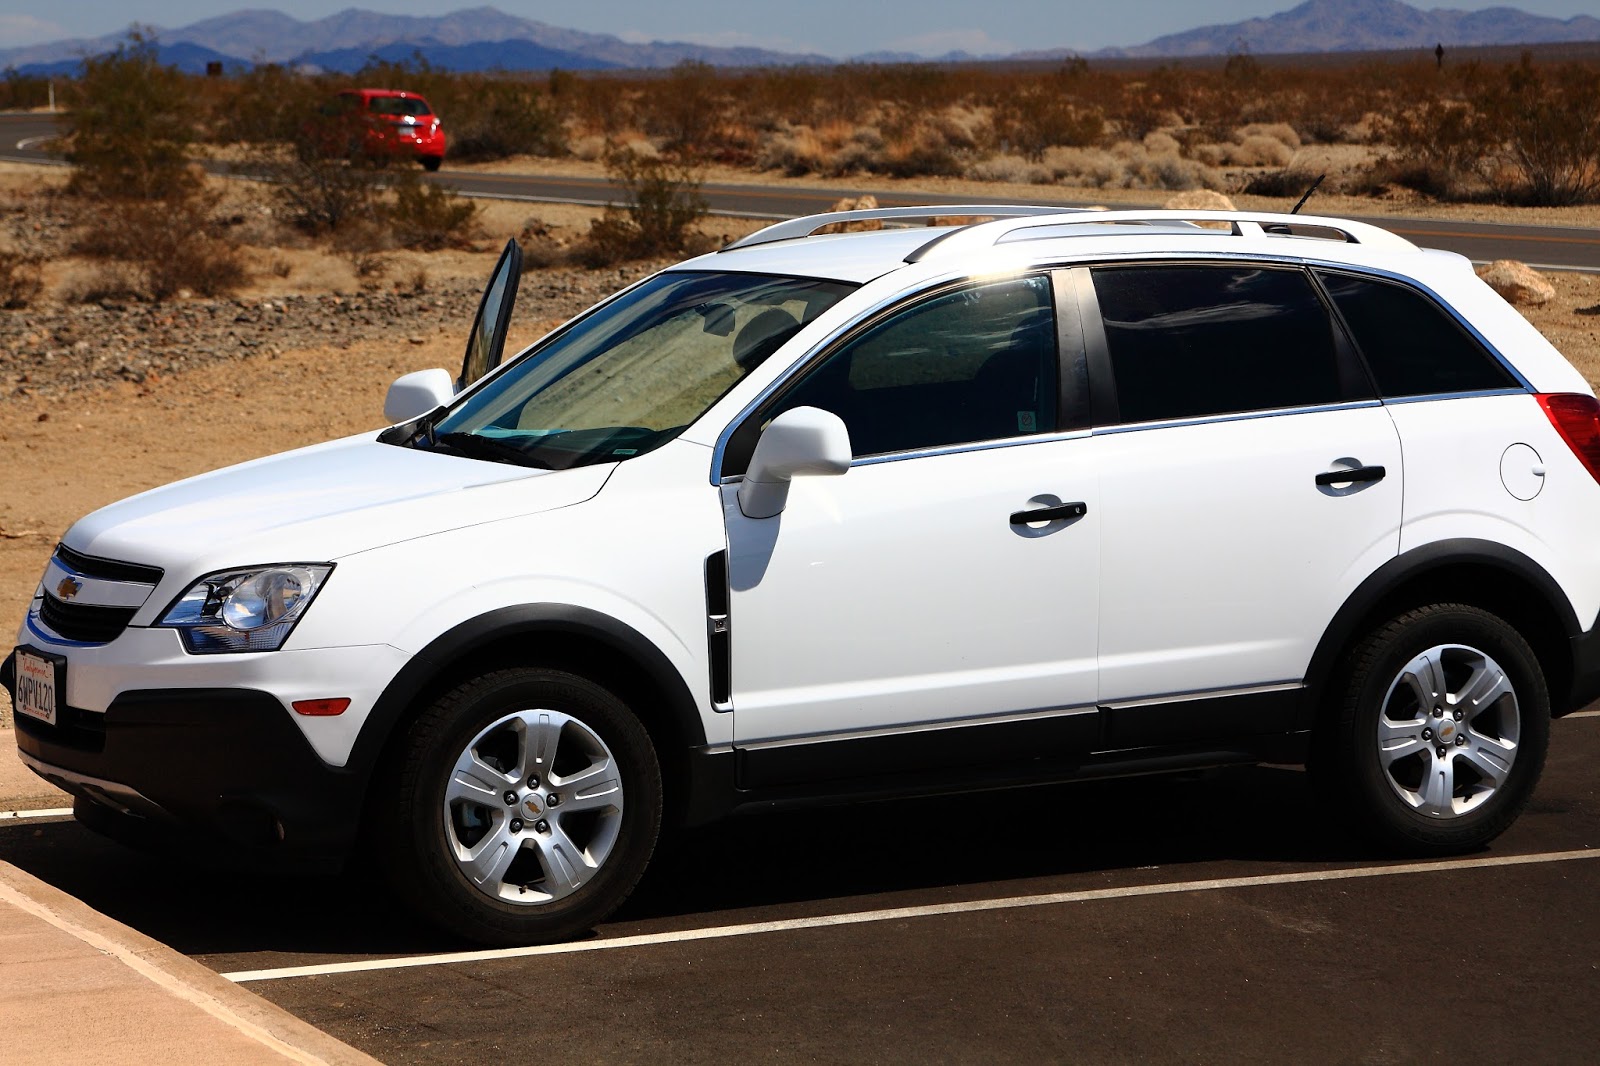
x: 399, y: 105
x: 636, y: 372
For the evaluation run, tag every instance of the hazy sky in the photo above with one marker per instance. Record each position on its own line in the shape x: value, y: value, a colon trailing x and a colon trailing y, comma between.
x: 832, y: 27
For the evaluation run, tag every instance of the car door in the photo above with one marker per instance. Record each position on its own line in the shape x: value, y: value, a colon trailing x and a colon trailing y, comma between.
x: 888, y: 616
x: 1249, y: 482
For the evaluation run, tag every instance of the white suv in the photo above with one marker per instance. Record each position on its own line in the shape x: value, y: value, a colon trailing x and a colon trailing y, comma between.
x: 855, y: 514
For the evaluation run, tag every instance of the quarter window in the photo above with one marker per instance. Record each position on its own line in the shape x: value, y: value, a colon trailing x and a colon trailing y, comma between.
x: 971, y: 365
x: 1193, y: 341
x: 1412, y: 346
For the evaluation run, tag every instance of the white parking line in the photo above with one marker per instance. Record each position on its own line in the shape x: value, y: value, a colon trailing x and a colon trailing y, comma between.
x: 826, y: 921
x: 50, y: 812
x: 1583, y: 714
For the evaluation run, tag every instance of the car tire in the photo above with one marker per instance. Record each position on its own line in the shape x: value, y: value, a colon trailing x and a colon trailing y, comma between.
x: 1439, y: 731
x: 523, y: 807
x: 431, y: 163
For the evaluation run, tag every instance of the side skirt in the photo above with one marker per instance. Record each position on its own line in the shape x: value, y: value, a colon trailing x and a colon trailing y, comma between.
x: 1138, y: 737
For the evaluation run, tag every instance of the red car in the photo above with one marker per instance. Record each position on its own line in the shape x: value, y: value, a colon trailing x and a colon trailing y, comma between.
x: 394, y: 123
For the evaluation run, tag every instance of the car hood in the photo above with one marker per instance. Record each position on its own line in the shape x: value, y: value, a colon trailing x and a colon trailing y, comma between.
x: 320, y: 503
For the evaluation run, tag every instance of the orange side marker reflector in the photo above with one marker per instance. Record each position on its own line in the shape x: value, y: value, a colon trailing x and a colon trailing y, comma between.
x: 321, y: 708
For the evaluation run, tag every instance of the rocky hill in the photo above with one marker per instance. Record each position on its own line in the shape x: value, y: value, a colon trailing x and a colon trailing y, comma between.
x: 1367, y: 26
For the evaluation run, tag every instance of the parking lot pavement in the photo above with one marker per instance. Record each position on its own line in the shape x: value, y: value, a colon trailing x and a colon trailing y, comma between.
x: 1198, y: 918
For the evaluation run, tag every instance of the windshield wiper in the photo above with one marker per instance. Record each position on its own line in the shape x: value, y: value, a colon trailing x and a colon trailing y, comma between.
x: 474, y: 446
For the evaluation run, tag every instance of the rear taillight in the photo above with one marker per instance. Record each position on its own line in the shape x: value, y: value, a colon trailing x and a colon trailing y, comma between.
x: 1577, y: 418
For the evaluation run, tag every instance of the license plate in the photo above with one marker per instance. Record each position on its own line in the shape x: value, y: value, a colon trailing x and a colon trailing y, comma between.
x: 36, y: 686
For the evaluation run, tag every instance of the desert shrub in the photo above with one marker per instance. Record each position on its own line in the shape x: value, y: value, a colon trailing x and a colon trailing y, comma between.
x: 1258, y: 151
x: 795, y: 150
x: 1281, y: 132
x: 1549, y: 125
x: 1161, y: 142
x: 428, y: 216
x: 505, y: 118
x: 1010, y: 168
x: 1286, y: 182
x: 921, y: 151
x: 323, y: 182
x: 1442, y: 147
x: 1130, y: 166
x: 686, y: 108
x: 99, y: 282
x: 1035, y: 121
x: 20, y: 279
x: 662, y: 205
x: 19, y: 92
x: 163, y: 246
x: 132, y: 126
x: 267, y: 104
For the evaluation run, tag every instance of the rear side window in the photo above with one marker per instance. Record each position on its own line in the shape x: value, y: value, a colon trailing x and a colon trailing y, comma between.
x: 1194, y: 341
x: 1412, y: 346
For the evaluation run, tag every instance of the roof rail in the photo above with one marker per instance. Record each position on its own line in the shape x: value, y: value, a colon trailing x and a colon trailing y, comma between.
x: 984, y: 235
x: 804, y: 227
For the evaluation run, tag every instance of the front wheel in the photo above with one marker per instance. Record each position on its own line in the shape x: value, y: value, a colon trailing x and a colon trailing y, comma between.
x: 1442, y: 730
x: 525, y: 808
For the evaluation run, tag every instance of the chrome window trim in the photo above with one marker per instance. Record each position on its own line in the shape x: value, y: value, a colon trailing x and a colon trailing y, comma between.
x: 1431, y: 396
x: 1235, y: 416
x: 951, y: 449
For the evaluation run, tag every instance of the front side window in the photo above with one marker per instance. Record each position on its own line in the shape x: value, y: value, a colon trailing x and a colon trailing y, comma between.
x: 975, y: 364
x: 636, y: 372
x: 1195, y: 341
x: 1411, y: 345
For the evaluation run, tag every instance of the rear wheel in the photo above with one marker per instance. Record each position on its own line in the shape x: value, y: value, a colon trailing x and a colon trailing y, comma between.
x: 1442, y: 729
x: 525, y: 808
x: 431, y: 163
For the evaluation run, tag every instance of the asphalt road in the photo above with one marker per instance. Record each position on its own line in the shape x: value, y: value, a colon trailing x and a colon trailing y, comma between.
x: 1546, y: 247
x: 1210, y: 917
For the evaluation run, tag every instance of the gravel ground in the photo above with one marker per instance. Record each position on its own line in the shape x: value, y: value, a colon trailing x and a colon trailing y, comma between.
x: 52, y: 350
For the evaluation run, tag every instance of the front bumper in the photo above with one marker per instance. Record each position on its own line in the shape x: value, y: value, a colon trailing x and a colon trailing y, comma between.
x: 227, y: 765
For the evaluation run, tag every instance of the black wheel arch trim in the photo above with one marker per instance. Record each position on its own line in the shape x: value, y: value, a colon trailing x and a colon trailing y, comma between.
x: 1418, y: 562
x: 524, y: 620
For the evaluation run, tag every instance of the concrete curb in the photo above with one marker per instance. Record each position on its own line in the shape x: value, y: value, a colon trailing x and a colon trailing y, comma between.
x: 252, y: 1017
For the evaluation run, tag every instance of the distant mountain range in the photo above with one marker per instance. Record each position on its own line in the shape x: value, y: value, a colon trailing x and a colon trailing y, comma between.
x: 488, y: 39
x: 1366, y: 26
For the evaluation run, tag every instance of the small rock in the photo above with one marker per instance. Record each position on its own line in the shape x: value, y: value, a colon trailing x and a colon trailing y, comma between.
x: 1517, y: 282
x: 1199, y: 200
x: 418, y: 340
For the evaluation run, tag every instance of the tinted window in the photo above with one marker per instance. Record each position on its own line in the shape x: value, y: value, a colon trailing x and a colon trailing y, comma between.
x: 399, y: 105
x: 1413, y: 347
x: 1187, y: 342
x: 971, y: 365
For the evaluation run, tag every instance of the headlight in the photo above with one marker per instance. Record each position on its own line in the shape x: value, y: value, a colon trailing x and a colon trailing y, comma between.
x: 245, y: 610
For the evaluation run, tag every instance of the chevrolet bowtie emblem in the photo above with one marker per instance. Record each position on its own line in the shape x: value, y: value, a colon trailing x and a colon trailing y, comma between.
x: 532, y: 806
x: 68, y: 588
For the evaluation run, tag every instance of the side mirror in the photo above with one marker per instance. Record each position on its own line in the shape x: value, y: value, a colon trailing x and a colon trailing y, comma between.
x: 418, y: 393
x: 805, y: 440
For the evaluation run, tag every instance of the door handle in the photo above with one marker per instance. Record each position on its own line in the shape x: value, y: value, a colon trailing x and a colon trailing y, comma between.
x: 1360, y: 473
x: 1049, y: 514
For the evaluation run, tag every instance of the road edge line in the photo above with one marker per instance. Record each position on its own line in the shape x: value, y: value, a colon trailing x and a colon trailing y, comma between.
x: 932, y: 910
x: 241, y: 1010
